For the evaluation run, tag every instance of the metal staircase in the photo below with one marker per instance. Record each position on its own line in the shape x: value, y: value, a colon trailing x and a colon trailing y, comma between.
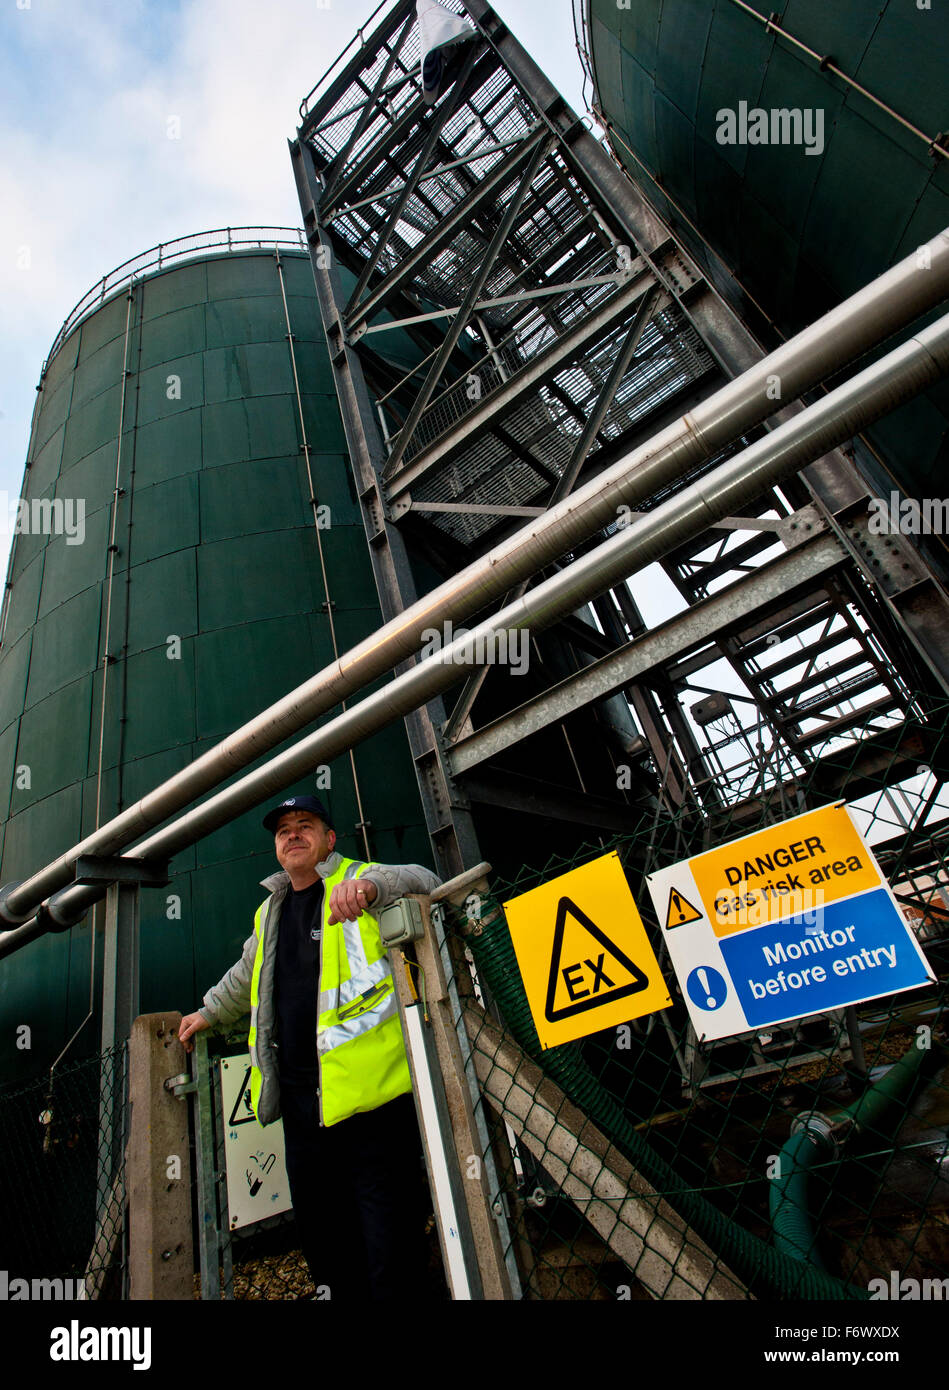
x: 507, y: 316
x: 554, y: 323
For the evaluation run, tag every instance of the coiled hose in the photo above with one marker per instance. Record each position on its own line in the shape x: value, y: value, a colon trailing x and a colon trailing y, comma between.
x: 767, y: 1272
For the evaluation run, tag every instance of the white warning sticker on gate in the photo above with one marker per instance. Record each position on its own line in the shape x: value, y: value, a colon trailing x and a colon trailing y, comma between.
x: 257, y: 1184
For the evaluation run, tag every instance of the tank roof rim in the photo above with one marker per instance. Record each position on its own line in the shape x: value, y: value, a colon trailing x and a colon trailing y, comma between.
x: 164, y: 256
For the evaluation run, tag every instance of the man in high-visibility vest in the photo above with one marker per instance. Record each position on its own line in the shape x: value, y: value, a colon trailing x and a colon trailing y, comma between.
x: 327, y: 1054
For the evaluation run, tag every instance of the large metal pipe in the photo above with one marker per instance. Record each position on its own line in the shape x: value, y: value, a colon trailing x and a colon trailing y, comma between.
x: 837, y: 417
x: 887, y: 304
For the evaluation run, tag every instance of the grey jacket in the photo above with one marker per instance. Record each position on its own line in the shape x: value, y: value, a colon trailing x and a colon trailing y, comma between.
x: 229, y: 999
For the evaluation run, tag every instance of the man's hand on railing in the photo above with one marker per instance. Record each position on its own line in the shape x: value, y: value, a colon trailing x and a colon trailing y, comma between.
x: 191, y: 1023
x: 351, y: 897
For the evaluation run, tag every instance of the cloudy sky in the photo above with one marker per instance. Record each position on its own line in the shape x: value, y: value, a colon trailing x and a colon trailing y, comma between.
x: 89, y: 91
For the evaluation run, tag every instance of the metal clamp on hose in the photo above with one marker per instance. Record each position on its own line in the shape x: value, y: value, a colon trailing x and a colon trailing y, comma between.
x: 826, y: 1132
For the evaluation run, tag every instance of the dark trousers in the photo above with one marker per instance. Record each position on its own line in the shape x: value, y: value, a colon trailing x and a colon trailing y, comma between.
x: 358, y: 1198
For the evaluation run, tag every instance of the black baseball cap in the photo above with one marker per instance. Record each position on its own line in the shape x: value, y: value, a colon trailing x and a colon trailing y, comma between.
x: 297, y: 803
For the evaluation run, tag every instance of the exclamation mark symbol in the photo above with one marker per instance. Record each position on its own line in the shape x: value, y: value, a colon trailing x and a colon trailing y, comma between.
x: 702, y: 973
x: 707, y: 988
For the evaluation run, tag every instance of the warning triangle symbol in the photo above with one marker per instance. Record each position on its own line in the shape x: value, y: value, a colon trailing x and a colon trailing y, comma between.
x: 680, y: 910
x: 242, y: 1113
x: 587, y: 969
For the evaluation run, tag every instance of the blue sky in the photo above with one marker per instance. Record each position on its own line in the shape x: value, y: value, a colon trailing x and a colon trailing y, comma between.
x: 89, y: 177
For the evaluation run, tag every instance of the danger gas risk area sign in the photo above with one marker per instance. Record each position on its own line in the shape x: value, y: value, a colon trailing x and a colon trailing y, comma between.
x: 793, y: 920
x: 584, y: 954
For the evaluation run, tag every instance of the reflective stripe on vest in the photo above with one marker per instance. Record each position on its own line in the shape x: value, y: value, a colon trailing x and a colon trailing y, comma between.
x: 360, y: 1049
x: 256, y: 1079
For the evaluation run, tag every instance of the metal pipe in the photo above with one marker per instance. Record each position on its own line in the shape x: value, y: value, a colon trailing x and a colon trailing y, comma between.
x: 901, y: 374
x: 826, y: 62
x: 314, y: 503
x: 112, y: 548
x: 888, y: 303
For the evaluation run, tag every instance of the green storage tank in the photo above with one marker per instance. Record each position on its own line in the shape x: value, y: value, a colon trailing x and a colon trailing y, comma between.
x: 789, y: 228
x: 216, y: 605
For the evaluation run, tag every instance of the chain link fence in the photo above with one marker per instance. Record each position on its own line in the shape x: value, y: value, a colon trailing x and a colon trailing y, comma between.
x: 808, y: 1160
x: 63, y: 1137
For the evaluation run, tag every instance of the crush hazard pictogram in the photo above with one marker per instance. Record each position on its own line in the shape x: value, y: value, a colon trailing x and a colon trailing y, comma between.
x: 584, y: 955
x: 680, y: 911
x: 587, y: 969
x: 242, y: 1113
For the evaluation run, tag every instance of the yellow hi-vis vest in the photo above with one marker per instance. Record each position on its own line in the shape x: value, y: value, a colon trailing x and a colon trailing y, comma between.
x: 359, y: 1044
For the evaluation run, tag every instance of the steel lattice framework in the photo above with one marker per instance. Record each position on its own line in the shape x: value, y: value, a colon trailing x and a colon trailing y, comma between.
x: 558, y: 324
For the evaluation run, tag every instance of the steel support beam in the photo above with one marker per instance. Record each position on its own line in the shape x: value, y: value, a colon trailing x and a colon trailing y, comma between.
x: 460, y: 319
x: 372, y: 101
x: 439, y: 120
x: 447, y: 817
x: 498, y: 302
x: 565, y: 483
x: 476, y: 508
x: 540, y: 369
x: 665, y: 644
x: 382, y: 34
x: 915, y: 600
x: 443, y: 232
x: 532, y: 797
x: 651, y: 302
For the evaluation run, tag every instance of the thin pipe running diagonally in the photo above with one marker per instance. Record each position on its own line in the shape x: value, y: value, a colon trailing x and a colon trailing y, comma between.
x: 314, y: 503
x: 110, y: 571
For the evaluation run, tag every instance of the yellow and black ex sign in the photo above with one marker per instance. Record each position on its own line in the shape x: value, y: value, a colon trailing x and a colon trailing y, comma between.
x: 583, y: 953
